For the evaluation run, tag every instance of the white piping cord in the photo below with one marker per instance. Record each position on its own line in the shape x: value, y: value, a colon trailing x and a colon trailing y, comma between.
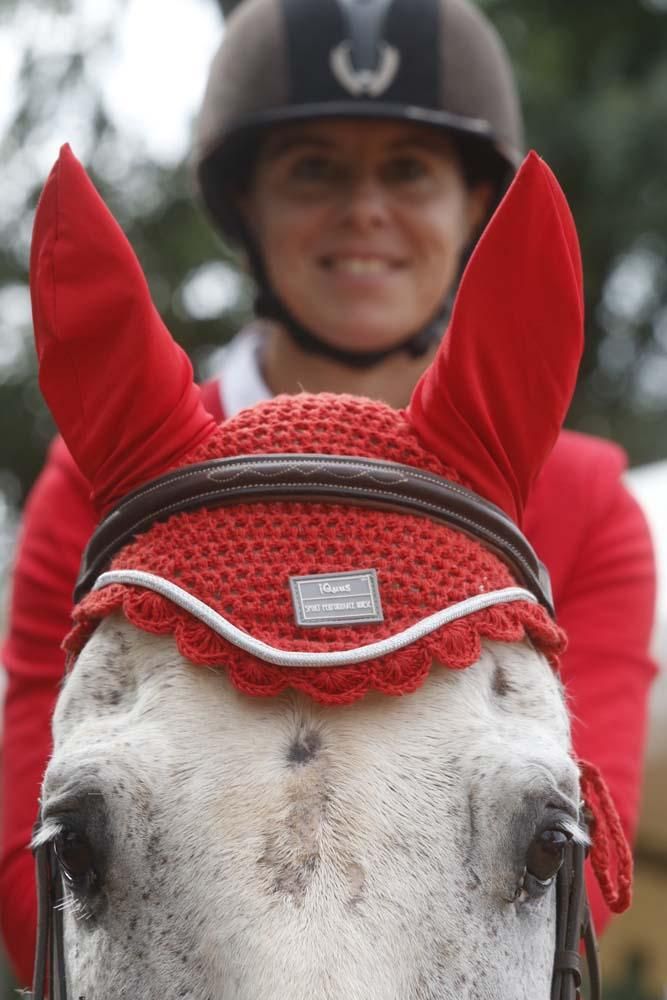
x: 295, y: 658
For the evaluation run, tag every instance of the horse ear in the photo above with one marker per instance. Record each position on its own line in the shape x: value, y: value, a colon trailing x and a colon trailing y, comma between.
x: 119, y: 387
x: 493, y: 400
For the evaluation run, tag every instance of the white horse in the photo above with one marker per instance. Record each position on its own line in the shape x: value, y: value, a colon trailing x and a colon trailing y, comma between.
x: 218, y: 846
x: 243, y: 849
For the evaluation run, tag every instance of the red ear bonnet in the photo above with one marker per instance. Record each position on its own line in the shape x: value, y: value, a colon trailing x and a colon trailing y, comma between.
x: 485, y: 415
x: 493, y: 401
x: 119, y: 388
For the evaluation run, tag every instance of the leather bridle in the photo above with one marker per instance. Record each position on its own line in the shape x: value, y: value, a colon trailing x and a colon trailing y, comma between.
x: 338, y: 479
x: 574, y: 925
x: 323, y: 479
x: 50, y: 967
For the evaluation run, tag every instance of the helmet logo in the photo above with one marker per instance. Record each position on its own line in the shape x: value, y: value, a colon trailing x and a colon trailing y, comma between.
x: 364, y: 82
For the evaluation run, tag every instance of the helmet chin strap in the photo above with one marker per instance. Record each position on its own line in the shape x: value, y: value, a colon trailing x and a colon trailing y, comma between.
x: 416, y: 345
x: 268, y: 305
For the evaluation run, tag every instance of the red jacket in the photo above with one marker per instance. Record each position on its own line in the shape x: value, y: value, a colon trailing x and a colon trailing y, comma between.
x: 583, y: 523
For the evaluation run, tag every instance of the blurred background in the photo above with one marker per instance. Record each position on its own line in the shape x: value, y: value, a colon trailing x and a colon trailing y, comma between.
x: 121, y: 80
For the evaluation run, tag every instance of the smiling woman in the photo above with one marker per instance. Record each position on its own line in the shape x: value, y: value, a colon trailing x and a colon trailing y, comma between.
x: 362, y: 226
x: 354, y: 157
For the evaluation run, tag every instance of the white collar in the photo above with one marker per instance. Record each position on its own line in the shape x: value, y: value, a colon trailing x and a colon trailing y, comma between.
x: 237, y: 366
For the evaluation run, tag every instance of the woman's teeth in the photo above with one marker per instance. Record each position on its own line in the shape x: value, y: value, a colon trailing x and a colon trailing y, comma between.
x: 360, y: 265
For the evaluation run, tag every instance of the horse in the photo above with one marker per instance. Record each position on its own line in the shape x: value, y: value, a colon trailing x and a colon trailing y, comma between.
x: 312, y: 741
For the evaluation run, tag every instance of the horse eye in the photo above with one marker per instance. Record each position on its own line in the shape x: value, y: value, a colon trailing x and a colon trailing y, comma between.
x: 546, y: 853
x: 75, y: 857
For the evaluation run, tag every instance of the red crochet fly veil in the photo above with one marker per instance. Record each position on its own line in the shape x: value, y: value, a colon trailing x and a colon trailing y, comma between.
x: 484, y: 416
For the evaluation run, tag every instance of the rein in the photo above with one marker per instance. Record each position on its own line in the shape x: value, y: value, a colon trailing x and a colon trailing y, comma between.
x: 49, y: 967
x: 574, y: 925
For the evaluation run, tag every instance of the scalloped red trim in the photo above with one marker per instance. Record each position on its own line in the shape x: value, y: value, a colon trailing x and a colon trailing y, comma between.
x: 456, y: 646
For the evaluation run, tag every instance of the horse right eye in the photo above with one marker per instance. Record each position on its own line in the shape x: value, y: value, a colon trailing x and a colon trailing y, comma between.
x: 546, y: 853
x: 75, y: 857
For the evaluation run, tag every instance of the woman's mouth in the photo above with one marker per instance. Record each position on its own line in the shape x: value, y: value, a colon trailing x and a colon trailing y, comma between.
x: 360, y: 266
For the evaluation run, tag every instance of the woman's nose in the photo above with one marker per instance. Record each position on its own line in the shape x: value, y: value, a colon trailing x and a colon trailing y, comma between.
x: 365, y: 202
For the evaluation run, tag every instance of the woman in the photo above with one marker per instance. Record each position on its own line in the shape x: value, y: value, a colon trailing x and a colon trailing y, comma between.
x: 353, y: 149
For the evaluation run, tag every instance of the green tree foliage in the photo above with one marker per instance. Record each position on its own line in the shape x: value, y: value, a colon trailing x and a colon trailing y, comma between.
x: 155, y: 206
x: 593, y: 80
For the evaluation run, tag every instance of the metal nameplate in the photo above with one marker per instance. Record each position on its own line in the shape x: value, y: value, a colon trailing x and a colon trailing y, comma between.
x: 337, y: 598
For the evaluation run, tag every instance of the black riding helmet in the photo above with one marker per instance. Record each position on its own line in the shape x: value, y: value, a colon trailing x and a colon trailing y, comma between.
x: 436, y: 62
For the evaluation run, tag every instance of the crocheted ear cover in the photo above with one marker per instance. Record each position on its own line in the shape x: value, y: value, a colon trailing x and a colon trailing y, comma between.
x: 493, y: 400
x: 118, y: 385
x: 239, y: 560
x: 486, y: 414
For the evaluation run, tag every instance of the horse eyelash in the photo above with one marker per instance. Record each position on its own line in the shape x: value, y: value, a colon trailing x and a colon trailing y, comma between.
x: 47, y: 832
x: 578, y: 833
x: 71, y: 904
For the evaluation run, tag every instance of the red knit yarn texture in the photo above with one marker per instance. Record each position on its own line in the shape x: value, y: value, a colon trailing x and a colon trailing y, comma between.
x: 239, y: 559
x: 611, y: 857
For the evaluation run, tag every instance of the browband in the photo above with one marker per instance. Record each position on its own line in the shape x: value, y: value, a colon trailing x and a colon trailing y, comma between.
x: 317, y: 479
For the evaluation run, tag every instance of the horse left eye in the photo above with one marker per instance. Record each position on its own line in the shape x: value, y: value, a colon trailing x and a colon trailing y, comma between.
x: 546, y: 853
x: 75, y: 857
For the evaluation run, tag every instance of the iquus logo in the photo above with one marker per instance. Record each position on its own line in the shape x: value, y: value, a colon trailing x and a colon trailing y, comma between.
x: 365, y: 82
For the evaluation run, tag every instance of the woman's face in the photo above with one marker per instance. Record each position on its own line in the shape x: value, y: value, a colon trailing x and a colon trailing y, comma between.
x: 361, y: 225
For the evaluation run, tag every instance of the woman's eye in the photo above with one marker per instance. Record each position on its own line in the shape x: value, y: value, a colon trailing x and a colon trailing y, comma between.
x: 75, y: 857
x: 314, y: 169
x: 405, y: 170
x: 545, y: 854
